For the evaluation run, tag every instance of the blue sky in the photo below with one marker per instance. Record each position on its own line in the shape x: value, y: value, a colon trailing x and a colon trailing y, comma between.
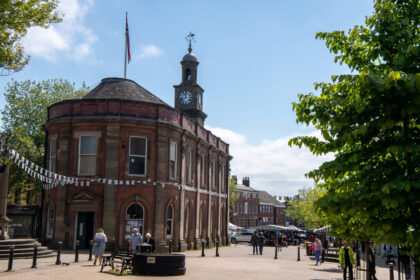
x: 255, y: 57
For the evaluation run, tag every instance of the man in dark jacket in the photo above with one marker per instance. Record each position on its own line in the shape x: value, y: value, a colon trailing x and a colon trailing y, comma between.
x: 371, y: 255
x: 149, y: 240
x: 262, y: 239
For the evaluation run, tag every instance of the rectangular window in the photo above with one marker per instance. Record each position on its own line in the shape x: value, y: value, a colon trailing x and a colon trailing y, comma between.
x: 203, y: 171
x: 87, y: 155
x: 53, y: 154
x: 222, y: 179
x: 137, y: 156
x: 189, y: 169
x: 246, y: 208
x: 172, y: 160
x: 213, y: 175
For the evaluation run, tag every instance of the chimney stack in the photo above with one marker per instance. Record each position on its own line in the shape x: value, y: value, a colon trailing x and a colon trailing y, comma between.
x: 245, y: 181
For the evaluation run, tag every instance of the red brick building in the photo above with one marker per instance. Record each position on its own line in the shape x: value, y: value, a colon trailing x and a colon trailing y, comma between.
x: 271, y: 211
x: 245, y: 210
x: 128, y: 159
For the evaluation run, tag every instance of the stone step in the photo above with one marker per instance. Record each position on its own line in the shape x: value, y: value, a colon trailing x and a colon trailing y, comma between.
x: 44, y: 254
x: 17, y: 241
x: 21, y: 250
x: 7, y: 247
x: 24, y: 248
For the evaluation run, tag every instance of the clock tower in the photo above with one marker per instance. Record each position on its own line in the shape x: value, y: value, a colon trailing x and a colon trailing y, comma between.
x: 189, y: 94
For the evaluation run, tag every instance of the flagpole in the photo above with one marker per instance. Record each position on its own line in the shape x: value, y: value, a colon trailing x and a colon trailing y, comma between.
x: 125, y: 53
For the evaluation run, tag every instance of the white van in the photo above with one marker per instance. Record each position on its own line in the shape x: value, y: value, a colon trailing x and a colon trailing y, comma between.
x: 241, y: 237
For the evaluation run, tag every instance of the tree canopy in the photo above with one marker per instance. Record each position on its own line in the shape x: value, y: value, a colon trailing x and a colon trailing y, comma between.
x: 303, y: 208
x: 23, y: 116
x: 370, y: 120
x: 16, y: 17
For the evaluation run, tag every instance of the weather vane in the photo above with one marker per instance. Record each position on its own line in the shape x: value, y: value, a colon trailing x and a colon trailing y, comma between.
x: 190, y: 38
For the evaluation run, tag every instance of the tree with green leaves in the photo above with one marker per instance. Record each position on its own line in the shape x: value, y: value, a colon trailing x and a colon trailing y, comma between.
x: 303, y: 208
x: 23, y: 116
x: 16, y: 17
x: 370, y: 120
x: 232, y: 195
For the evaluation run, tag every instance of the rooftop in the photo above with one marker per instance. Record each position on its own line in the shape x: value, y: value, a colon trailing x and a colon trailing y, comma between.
x: 265, y: 197
x: 124, y: 89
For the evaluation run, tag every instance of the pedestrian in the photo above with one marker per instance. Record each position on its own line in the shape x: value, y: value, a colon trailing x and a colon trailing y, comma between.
x: 389, y: 253
x: 406, y: 262
x: 149, y: 240
x: 324, y: 247
x: 317, y: 250
x: 347, y: 260
x: 371, y: 254
x: 279, y: 242
x: 255, y: 240
x: 99, y: 245
x: 135, y: 239
x: 262, y: 240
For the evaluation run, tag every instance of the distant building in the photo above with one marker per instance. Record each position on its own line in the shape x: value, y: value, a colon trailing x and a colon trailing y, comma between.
x: 245, y: 210
x: 271, y: 211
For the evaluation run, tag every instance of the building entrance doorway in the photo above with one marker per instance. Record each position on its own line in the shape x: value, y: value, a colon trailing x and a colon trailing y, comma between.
x: 84, y: 231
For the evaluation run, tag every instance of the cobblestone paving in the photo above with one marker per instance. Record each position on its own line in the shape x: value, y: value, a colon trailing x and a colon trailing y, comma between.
x: 235, y: 263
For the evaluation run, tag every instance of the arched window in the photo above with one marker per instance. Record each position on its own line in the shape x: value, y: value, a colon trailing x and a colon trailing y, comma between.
x: 186, y: 222
x: 134, y: 218
x: 169, y: 221
x: 188, y: 75
x: 50, y: 221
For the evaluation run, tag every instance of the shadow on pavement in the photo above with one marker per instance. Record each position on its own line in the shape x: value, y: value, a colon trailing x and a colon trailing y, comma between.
x: 335, y: 270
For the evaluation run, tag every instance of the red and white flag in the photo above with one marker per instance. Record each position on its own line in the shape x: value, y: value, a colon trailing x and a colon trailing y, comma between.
x: 127, y: 39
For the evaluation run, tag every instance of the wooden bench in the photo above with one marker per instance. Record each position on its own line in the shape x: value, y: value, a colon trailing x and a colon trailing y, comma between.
x: 118, y: 257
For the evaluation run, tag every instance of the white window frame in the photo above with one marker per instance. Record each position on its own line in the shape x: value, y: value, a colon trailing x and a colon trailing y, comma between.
x: 171, y: 220
x: 203, y: 171
x: 186, y: 221
x: 246, y: 208
x: 134, y: 223
x: 52, y: 158
x: 189, y: 166
x: 139, y: 156
x: 79, y: 155
x: 213, y: 175
x: 175, y: 145
x: 50, y: 222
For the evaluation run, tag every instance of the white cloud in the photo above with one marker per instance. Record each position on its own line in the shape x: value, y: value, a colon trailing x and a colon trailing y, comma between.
x: 69, y: 39
x: 147, y: 51
x: 271, y: 165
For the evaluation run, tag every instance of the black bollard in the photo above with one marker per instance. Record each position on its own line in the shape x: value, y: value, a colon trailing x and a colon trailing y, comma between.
x: 391, y: 272
x: 298, y: 259
x: 202, y: 248
x: 90, y: 250
x: 170, y: 246
x: 217, y: 248
x: 35, y: 258
x: 11, y: 254
x: 275, y: 252
x: 58, y: 253
x: 76, y: 253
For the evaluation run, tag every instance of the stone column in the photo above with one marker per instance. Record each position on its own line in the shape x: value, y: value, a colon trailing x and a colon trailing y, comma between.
x: 112, y: 148
x: 183, y: 245
x: 64, y: 143
x: 161, y: 171
x: 4, y: 186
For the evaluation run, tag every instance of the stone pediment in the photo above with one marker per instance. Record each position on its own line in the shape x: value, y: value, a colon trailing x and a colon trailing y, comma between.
x: 83, y: 197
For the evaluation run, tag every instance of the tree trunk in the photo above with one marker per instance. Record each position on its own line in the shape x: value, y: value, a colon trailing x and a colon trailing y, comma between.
x: 368, y: 276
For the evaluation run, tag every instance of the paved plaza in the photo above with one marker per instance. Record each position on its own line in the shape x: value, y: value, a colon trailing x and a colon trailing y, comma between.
x: 235, y: 262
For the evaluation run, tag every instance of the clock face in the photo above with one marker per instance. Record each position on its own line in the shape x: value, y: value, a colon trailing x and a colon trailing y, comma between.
x: 185, y: 97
